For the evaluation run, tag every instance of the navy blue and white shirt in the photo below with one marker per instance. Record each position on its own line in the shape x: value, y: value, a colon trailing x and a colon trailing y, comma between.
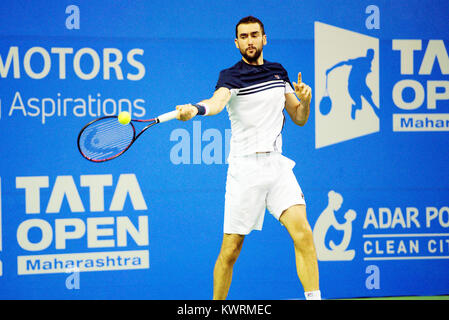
x: 256, y: 106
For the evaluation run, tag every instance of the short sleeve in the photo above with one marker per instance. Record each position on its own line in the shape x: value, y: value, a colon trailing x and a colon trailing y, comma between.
x: 288, y: 84
x: 227, y: 80
x: 288, y: 88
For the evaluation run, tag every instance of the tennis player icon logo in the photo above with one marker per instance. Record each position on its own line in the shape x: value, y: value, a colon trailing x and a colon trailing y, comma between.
x: 326, y: 220
x: 346, y: 85
x: 357, y: 86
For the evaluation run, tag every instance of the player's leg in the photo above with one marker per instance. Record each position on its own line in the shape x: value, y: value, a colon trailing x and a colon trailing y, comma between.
x: 356, y: 106
x: 244, y: 212
x: 295, y: 221
x: 368, y: 96
x: 230, y: 250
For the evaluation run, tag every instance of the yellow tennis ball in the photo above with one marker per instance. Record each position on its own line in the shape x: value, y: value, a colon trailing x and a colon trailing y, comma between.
x: 124, y: 117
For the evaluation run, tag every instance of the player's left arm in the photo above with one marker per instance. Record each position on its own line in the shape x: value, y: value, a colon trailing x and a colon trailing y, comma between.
x: 299, y: 110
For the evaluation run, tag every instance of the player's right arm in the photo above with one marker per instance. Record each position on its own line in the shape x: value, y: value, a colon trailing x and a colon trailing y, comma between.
x: 343, y: 63
x: 213, y: 105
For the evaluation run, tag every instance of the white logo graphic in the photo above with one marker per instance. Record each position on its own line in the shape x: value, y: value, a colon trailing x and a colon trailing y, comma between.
x: 325, y: 221
x: 346, y: 85
x: 87, y: 221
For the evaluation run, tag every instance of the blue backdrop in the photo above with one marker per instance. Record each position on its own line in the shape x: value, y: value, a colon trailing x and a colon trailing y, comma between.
x: 148, y: 225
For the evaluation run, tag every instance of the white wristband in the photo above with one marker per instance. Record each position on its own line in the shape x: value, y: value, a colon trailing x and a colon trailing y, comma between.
x: 206, y: 107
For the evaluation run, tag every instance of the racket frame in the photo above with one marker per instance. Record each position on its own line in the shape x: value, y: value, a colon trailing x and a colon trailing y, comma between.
x: 153, y: 122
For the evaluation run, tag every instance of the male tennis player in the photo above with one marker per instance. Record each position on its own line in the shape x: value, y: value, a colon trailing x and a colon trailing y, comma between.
x: 256, y: 92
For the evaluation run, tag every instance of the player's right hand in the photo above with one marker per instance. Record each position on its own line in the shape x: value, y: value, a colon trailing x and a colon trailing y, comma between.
x: 186, y: 112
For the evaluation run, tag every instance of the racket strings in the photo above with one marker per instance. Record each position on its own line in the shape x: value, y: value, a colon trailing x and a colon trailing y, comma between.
x: 105, y: 138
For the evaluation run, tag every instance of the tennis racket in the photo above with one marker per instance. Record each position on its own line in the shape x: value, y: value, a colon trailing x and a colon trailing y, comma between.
x: 326, y: 102
x: 105, y: 138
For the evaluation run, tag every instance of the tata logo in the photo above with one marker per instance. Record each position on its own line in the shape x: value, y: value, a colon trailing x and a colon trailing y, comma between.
x: 334, y: 251
x: 346, y: 85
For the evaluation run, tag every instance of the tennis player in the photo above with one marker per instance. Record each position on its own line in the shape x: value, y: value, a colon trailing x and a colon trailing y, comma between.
x: 255, y: 92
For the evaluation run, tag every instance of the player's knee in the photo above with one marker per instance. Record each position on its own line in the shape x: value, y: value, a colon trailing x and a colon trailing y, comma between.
x: 230, y: 253
x: 302, y: 238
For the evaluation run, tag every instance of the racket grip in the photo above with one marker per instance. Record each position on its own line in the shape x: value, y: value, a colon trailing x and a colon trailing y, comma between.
x: 167, y: 116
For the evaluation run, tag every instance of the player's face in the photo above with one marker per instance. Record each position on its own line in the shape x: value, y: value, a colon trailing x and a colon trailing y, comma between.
x: 250, y: 41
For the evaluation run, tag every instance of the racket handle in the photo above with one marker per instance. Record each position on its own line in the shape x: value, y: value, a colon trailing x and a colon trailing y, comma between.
x: 167, y: 116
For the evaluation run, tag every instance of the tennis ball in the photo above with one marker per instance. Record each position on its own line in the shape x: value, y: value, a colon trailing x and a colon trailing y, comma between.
x: 124, y: 117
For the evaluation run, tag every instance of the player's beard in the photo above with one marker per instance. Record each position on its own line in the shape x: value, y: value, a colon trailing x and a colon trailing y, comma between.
x: 252, y: 58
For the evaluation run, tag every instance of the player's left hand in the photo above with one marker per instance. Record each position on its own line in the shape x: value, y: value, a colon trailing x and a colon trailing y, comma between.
x: 302, y: 90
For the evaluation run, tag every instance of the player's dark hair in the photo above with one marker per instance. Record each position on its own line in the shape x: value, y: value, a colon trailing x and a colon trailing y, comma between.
x: 249, y: 19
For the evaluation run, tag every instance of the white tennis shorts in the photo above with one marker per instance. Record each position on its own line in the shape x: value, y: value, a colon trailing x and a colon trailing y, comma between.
x: 255, y: 183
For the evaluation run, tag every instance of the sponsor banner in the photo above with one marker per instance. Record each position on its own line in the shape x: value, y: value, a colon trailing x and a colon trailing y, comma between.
x: 371, y: 160
x: 399, y: 233
x: 346, y: 84
x: 1, y: 236
x: 347, y: 81
x: 82, y: 262
x: 421, y: 122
